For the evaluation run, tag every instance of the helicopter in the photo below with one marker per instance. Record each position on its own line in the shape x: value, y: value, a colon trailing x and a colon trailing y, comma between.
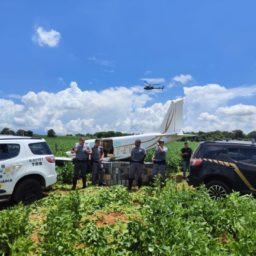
x: 151, y: 86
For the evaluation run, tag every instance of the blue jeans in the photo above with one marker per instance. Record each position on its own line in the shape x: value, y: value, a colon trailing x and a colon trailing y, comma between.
x: 185, y: 164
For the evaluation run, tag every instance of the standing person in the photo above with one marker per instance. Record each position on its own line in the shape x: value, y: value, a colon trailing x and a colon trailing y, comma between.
x: 138, y: 155
x: 82, y: 151
x: 159, y: 160
x: 186, y: 153
x: 97, y: 168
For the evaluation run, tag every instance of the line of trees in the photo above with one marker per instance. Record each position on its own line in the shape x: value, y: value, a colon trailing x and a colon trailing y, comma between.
x: 19, y: 132
x: 52, y: 133
x: 221, y: 135
x: 103, y: 134
x: 198, y: 136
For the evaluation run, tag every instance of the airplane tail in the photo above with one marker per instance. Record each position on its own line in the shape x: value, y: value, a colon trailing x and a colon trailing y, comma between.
x: 173, y: 120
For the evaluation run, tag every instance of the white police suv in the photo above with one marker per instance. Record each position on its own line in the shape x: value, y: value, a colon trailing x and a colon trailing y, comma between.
x: 27, y: 165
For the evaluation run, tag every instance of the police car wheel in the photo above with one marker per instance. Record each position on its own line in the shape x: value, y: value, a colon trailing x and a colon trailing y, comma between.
x: 28, y: 191
x: 217, y: 189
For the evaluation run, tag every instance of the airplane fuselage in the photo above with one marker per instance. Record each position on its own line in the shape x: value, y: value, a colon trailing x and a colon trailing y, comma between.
x: 120, y: 147
x: 124, y: 145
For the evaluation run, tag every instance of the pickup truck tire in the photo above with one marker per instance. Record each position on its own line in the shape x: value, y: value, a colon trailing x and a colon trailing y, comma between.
x: 27, y: 191
x: 217, y: 189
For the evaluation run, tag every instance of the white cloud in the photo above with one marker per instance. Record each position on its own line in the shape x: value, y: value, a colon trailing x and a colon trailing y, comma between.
x: 238, y: 110
x: 49, y: 38
x: 153, y: 80
x: 183, y: 79
x: 209, y: 107
x: 8, y: 111
x: 208, y: 117
x: 72, y: 110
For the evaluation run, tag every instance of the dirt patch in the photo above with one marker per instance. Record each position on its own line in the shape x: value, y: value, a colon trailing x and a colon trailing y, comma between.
x: 37, y: 217
x: 178, y: 178
x: 111, y: 218
x: 224, y: 239
x: 35, y: 237
x: 80, y: 246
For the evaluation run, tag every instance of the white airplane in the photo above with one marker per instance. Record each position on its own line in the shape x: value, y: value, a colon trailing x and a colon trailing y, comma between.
x: 119, y: 148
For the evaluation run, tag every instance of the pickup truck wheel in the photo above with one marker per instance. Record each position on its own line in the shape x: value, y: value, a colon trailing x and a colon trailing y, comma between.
x: 28, y: 191
x: 217, y: 189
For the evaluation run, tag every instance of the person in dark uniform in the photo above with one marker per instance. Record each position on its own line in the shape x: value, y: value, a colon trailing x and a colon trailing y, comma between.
x: 138, y: 155
x: 186, y: 153
x: 159, y: 160
x: 82, y: 151
x: 97, y: 168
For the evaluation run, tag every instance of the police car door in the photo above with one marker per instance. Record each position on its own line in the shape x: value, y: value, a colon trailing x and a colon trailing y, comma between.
x: 8, y: 163
x: 247, y: 164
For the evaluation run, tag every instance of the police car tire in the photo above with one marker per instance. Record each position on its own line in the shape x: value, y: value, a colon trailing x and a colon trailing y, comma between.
x: 27, y: 191
x: 217, y: 189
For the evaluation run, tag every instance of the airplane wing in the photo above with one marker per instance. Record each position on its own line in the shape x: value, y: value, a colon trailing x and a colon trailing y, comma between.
x: 60, y: 161
x: 178, y: 134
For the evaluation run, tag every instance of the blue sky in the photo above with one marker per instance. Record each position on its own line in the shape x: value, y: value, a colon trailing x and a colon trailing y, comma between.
x: 114, y: 44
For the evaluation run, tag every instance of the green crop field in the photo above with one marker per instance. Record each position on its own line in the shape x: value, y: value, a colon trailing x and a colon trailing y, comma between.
x: 173, y: 220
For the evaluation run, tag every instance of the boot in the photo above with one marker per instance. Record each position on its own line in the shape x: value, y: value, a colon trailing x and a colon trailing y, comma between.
x: 130, y: 184
x: 139, y: 182
x: 151, y: 180
x: 74, y: 184
x: 84, y: 182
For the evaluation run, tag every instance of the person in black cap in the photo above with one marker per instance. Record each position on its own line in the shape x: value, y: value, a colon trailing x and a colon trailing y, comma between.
x: 159, y: 160
x: 138, y: 155
x: 186, y: 153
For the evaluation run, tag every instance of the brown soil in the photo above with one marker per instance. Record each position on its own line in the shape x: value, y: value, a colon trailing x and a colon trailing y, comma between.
x: 178, y: 178
x: 111, y: 218
x: 37, y: 217
x: 35, y: 237
x: 223, y: 239
x: 80, y: 246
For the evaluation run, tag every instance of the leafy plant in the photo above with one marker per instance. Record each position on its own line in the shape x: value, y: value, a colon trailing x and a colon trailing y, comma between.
x: 65, y: 173
x: 159, y: 220
x: 13, y: 227
x: 59, y: 229
x: 22, y: 246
